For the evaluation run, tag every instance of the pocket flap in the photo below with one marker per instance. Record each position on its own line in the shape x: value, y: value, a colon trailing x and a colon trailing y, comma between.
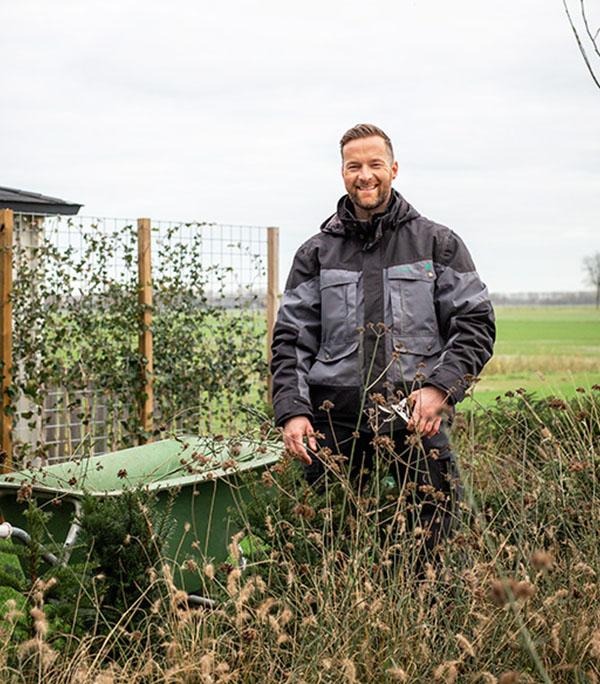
x: 330, y: 352
x: 412, y: 272
x: 418, y: 345
x: 336, y: 276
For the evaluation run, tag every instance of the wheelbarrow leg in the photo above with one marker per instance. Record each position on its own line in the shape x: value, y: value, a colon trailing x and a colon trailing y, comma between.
x: 7, y: 531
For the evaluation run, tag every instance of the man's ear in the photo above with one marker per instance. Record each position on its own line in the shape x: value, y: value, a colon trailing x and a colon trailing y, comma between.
x: 394, y: 169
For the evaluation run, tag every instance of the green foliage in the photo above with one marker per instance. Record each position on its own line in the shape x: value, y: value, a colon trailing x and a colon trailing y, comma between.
x: 77, y: 320
x: 125, y: 537
x: 549, y: 450
x: 205, y: 349
x: 109, y: 590
x: 521, y: 422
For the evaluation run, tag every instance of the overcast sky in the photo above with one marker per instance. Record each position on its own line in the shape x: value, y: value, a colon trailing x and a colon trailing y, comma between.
x: 232, y: 113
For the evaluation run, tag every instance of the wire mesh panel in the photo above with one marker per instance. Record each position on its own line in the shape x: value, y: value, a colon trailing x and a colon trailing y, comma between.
x: 77, y: 368
x: 209, y: 326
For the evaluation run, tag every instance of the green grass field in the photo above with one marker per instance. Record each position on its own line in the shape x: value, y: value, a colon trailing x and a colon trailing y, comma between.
x: 547, y: 350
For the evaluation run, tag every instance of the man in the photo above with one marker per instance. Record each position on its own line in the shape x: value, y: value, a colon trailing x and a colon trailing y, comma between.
x: 381, y: 303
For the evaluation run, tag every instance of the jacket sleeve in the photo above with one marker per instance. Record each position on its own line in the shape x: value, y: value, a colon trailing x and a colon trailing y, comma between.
x: 296, y: 337
x: 465, y: 319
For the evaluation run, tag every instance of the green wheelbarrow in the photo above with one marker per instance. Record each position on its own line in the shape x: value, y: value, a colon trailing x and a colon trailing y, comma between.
x: 206, y: 474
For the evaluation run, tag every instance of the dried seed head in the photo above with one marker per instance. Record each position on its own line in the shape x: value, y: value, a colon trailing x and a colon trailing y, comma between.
x: 179, y: 599
x: 499, y: 594
x: 584, y: 568
x: 40, y: 624
x: 304, y: 511
x: 285, y: 617
x: 263, y: 609
x: 233, y: 581
x: 595, y: 644
x: 554, y: 638
x: 464, y: 645
x: 541, y: 560
x: 249, y: 634
x: 558, y: 596
x: 349, y: 670
x: 206, y: 664
x: 446, y: 672
x: 397, y: 673
x: 511, y: 677
x: 234, y: 547
x: 488, y: 678
x: 524, y: 590
x: 104, y: 678
x: 209, y: 571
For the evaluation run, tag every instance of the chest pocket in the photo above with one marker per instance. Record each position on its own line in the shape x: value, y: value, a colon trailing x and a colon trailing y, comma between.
x: 411, y: 294
x: 338, y: 304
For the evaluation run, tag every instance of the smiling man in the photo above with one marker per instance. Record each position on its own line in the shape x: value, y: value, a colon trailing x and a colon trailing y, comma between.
x: 381, y: 303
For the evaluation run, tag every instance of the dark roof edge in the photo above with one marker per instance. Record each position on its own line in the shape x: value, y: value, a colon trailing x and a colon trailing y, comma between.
x: 50, y: 209
x: 35, y: 203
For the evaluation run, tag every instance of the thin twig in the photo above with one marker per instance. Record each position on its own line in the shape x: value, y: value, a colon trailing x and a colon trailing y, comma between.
x: 580, y: 45
x: 594, y: 37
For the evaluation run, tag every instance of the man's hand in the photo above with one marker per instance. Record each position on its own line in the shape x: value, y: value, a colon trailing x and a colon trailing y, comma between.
x: 294, y: 432
x: 429, y: 405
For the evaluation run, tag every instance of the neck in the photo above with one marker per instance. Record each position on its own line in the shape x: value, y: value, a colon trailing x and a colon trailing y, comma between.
x: 363, y: 214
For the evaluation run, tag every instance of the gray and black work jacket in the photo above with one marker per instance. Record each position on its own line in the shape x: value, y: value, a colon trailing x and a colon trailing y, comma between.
x: 378, y: 306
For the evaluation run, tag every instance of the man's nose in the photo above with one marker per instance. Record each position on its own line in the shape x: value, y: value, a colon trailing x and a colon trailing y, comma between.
x: 364, y: 172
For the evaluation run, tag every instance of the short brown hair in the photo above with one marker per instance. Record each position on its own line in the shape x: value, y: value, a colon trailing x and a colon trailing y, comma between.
x: 365, y: 131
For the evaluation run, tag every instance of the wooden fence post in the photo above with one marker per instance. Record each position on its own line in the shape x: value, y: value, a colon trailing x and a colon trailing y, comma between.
x: 145, y: 302
x: 6, y: 266
x: 272, y: 292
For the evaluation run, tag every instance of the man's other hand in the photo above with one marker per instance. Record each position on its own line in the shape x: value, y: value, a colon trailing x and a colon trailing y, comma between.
x: 429, y: 406
x: 294, y: 432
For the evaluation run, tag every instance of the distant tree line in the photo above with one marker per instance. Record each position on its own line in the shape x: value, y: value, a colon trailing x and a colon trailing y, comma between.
x: 544, y: 299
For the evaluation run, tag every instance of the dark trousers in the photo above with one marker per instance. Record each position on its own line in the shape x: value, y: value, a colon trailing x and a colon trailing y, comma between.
x: 423, y: 471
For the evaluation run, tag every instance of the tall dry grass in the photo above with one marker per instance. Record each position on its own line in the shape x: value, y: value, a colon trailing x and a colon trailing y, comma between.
x: 337, y: 590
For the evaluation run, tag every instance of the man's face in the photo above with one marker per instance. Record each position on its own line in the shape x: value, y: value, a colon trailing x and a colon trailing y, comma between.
x: 368, y: 170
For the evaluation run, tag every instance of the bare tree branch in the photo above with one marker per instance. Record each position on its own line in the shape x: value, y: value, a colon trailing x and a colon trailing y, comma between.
x: 591, y: 272
x: 594, y: 37
x: 580, y: 44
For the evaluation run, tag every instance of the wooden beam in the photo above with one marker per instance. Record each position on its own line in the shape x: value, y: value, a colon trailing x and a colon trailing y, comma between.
x: 6, y: 269
x: 272, y: 293
x: 145, y: 342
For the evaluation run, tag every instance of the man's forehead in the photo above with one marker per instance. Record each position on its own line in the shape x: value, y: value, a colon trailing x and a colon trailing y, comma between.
x: 371, y: 148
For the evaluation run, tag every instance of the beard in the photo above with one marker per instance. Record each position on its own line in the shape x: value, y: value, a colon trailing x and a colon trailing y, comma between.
x: 379, y: 200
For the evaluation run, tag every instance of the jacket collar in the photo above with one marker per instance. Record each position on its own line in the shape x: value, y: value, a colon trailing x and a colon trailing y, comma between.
x: 344, y: 223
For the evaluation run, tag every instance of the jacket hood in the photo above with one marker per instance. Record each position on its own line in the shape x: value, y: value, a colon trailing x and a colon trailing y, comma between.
x: 397, y: 212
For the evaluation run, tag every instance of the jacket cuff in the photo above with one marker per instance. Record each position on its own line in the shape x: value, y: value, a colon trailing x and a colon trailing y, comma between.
x: 288, y: 407
x: 455, y: 388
